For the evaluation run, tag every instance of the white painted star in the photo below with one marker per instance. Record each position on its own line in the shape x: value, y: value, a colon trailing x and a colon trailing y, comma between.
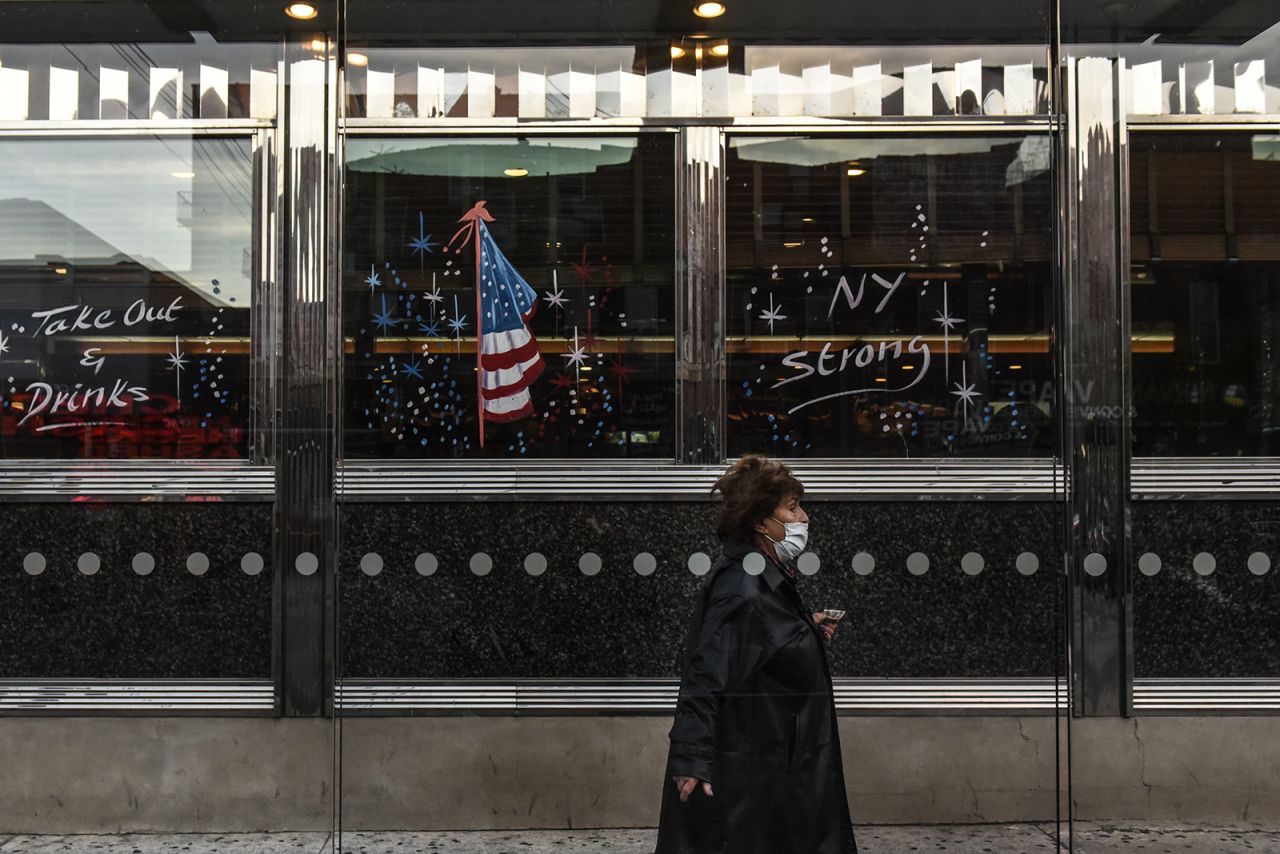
x: 434, y: 294
x: 965, y: 390
x: 577, y: 355
x: 4, y: 345
x: 772, y: 313
x: 556, y: 298
x: 177, y: 359
x: 946, y: 321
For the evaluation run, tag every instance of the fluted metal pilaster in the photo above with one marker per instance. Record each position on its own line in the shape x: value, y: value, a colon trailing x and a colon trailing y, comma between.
x: 1096, y: 378
x: 305, y: 526
x: 700, y: 350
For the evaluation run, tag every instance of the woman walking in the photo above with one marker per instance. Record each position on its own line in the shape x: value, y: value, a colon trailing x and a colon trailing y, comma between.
x: 754, y: 765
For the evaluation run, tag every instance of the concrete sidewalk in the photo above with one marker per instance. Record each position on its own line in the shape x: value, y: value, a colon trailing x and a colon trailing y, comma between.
x: 1090, y: 838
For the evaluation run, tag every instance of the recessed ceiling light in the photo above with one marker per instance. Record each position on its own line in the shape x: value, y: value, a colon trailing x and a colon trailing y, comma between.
x: 183, y: 174
x: 792, y: 244
x: 709, y: 10
x: 357, y: 59
x: 516, y: 172
x: 1015, y: 367
x: 721, y: 49
x: 806, y: 219
x: 676, y: 51
x: 855, y: 171
x: 319, y: 45
x: 301, y: 11
x: 61, y: 271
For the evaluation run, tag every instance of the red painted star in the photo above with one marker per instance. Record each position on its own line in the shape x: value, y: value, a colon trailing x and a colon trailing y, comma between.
x: 583, y: 268
x: 619, y: 371
x: 562, y: 381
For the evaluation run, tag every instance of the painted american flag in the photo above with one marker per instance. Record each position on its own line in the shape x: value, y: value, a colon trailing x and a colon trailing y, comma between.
x: 509, y: 357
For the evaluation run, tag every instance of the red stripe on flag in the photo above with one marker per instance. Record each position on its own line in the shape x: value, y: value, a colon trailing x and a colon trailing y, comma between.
x: 526, y: 379
x: 510, y: 358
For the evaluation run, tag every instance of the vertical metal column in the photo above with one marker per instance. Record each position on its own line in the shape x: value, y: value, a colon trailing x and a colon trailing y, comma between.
x: 1096, y: 374
x: 305, y: 527
x: 700, y: 345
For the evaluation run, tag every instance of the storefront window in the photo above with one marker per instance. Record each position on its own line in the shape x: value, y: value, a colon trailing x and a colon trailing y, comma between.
x: 125, y: 297
x: 561, y: 248
x: 889, y: 296
x: 1205, y: 284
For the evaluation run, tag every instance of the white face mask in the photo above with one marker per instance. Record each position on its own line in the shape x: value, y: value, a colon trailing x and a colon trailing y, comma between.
x: 791, y: 546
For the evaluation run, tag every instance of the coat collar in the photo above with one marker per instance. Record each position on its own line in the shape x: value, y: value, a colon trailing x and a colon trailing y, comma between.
x: 737, y: 550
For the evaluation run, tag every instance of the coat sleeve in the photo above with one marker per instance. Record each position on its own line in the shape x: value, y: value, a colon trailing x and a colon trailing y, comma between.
x: 729, y: 646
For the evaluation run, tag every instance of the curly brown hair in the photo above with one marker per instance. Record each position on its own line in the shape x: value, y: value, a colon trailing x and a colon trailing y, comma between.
x: 751, y: 490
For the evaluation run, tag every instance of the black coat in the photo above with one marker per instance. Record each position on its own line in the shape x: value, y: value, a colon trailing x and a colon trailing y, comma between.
x: 756, y: 717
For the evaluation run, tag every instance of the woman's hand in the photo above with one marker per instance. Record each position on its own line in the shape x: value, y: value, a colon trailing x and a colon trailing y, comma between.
x: 825, y: 623
x: 686, y: 785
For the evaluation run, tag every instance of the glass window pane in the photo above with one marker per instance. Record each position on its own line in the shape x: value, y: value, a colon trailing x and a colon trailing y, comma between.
x: 889, y: 297
x: 125, y: 292
x: 563, y: 248
x: 1205, y: 288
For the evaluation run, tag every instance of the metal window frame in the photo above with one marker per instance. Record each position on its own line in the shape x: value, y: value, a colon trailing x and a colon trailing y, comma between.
x: 248, y: 480
x: 1197, y: 478
x: 700, y: 357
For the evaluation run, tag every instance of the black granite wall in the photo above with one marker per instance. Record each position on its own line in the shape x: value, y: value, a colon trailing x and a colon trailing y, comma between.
x: 1224, y: 622
x: 618, y: 623
x: 563, y: 623
x: 117, y: 623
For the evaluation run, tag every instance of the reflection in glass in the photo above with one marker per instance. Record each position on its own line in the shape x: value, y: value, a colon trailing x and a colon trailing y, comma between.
x: 889, y: 297
x: 1205, y: 293
x: 125, y: 284
x: 566, y: 256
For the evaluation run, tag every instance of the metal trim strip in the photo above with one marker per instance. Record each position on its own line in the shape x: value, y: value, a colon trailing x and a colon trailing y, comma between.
x: 1184, y: 696
x: 779, y: 124
x: 1220, y: 121
x: 39, y: 480
x: 147, y: 127
x: 55, y: 696
x: 398, y: 481
x: 360, y: 696
x: 1209, y: 477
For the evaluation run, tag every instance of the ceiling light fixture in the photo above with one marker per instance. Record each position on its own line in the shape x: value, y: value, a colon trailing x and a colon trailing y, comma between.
x: 792, y: 244
x: 806, y: 219
x: 183, y: 174
x: 357, y: 59
x: 855, y: 171
x: 301, y: 11
x: 61, y: 271
x: 319, y: 45
x: 709, y: 10
x: 676, y: 51
x: 721, y: 49
x: 515, y: 172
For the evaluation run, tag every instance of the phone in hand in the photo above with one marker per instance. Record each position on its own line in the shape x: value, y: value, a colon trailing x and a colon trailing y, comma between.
x: 833, y: 614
